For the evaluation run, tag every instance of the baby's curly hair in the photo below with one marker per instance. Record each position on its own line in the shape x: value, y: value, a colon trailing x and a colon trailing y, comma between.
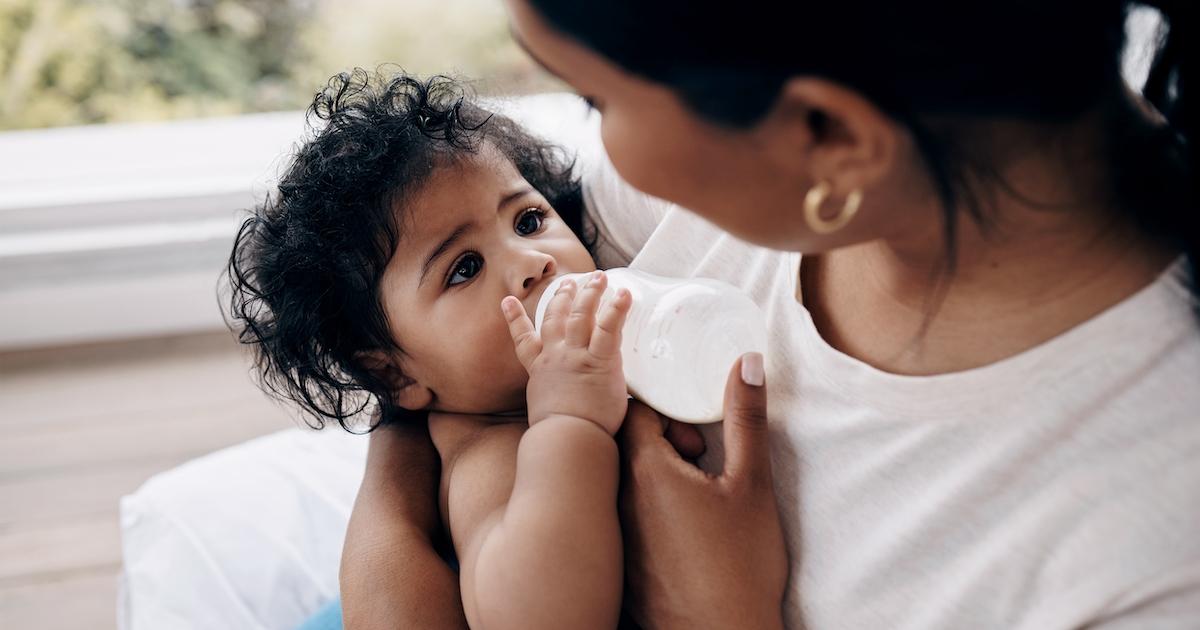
x: 305, y: 269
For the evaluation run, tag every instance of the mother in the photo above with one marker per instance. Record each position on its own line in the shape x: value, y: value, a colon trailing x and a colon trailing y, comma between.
x: 983, y: 373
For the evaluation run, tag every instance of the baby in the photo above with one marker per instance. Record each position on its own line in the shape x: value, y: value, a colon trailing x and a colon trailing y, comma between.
x: 397, y: 264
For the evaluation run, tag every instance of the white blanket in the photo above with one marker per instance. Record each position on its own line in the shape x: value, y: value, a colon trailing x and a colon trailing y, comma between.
x: 249, y: 537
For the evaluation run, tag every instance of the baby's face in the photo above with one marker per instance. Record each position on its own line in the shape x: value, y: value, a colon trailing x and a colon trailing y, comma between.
x: 473, y: 234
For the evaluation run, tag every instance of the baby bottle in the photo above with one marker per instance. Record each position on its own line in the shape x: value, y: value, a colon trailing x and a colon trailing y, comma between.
x: 680, y: 339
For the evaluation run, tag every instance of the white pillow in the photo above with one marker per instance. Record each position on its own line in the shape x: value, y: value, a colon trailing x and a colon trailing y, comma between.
x: 247, y: 537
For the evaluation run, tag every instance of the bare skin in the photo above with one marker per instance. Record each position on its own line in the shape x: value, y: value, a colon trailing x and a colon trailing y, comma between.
x: 531, y: 505
x: 473, y: 234
x: 396, y: 578
x: 1055, y: 255
x: 870, y: 286
x: 528, y: 501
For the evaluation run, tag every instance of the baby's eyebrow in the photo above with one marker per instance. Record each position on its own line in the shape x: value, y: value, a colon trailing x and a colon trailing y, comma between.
x: 462, y: 229
x: 442, y: 249
x: 513, y: 196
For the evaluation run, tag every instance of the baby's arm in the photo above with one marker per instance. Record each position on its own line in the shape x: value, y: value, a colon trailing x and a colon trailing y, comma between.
x: 551, y: 556
x: 534, y: 554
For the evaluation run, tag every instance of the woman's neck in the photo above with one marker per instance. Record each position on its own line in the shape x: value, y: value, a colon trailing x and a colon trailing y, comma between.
x: 1033, y: 274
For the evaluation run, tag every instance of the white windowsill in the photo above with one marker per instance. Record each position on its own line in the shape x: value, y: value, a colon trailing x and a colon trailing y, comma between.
x: 122, y: 231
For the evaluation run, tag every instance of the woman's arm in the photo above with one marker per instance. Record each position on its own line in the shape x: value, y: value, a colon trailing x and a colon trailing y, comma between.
x: 391, y: 576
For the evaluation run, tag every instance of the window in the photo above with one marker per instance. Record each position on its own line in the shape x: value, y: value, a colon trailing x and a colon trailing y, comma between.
x: 138, y: 130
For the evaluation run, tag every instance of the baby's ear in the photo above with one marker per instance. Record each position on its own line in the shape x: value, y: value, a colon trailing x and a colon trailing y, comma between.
x: 406, y: 392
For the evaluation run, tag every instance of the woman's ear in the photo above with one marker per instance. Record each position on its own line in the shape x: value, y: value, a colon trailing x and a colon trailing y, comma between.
x: 823, y: 131
x: 406, y: 391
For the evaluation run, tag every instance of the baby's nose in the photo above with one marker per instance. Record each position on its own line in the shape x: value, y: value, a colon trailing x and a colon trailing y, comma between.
x: 547, y: 271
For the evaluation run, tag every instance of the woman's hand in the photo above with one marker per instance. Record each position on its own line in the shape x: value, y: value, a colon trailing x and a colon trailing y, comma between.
x: 574, y: 362
x: 704, y: 551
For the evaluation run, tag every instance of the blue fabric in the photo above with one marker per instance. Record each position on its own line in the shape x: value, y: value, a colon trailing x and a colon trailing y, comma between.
x: 328, y: 618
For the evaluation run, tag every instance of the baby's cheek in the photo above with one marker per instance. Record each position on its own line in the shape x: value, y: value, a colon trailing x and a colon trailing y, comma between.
x: 499, y: 379
x: 504, y: 384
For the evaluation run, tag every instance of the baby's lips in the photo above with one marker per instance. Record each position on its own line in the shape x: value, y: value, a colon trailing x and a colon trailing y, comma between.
x: 531, y: 301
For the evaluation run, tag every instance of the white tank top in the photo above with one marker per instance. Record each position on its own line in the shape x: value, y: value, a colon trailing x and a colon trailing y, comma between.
x: 1059, y: 488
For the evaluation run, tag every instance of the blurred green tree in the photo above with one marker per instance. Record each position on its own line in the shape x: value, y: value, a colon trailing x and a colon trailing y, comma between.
x: 70, y: 62
x: 65, y: 62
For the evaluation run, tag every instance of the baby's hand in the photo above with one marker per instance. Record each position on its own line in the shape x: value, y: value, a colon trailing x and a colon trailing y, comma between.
x: 574, y: 364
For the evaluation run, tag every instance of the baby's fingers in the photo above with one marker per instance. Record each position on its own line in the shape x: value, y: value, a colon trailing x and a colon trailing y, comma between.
x: 554, y: 322
x: 606, y: 338
x: 583, y: 310
x: 525, y: 339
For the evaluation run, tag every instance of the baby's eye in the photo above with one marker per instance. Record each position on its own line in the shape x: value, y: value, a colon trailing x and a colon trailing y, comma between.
x: 530, y: 221
x: 466, y: 268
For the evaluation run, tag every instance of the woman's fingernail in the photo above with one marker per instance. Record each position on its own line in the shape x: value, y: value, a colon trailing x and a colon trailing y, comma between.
x: 752, y: 369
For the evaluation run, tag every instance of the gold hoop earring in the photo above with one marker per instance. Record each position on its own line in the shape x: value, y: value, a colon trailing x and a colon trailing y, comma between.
x: 816, y: 198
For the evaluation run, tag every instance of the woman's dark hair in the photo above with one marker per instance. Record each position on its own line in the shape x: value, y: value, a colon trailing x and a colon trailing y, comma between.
x: 306, y: 266
x: 1044, y: 61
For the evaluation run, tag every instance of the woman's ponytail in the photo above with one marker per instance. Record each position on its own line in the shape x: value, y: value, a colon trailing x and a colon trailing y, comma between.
x: 1170, y: 80
x: 1155, y: 164
x: 1169, y: 88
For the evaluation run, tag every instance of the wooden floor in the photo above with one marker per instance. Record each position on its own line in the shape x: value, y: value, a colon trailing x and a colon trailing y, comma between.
x: 81, y: 427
